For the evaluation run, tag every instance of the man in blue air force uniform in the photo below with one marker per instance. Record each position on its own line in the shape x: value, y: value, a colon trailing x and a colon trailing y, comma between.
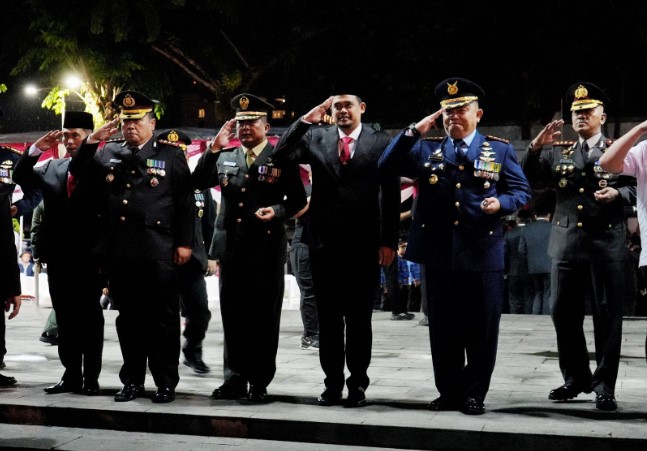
x: 467, y: 182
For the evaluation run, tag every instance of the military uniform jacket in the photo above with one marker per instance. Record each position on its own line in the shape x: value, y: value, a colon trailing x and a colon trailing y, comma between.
x: 243, y: 191
x: 10, y: 285
x: 449, y: 230
x: 582, y: 228
x: 70, y: 223
x: 147, y: 198
x: 205, y: 217
x: 354, y: 204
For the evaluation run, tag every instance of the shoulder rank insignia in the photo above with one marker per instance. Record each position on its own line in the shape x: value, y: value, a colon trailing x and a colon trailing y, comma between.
x: 563, y: 143
x: 495, y: 138
x: 433, y: 138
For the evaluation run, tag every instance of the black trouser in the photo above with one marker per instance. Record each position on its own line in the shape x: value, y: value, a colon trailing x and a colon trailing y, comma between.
x: 195, y: 307
x: 344, y: 289
x: 75, y: 288
x: 603, y: 284
x: 300, y: 262
x: 147, y: 297
x: 464, y: 314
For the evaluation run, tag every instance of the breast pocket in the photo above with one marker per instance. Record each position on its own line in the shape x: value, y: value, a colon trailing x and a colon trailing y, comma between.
x: 227, y: 174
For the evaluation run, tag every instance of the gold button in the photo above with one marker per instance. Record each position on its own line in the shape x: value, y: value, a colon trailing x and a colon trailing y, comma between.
x: 458, y: 185
x: 246, y: 176
x: 242, y: 190
x: 125, y: 201
x: 579, y: 224
x: 269, y: 232
x: 610, y: 226
x: 457, y: 204
x: 127, y: 185
x: 455, y: 223
x: 581, y: 190
x: 461, y: 167
x: 240, y: 204
x: 580, y: 207
x: 491, y: 232
x: 423, y: 226
x: 239, y: 220
x: 122, y: 218
x: 158, y: 222
x: 132, y: 172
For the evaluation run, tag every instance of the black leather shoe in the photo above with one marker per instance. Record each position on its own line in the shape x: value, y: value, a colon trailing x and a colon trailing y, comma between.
x: 7, y: 380
x: 229, y: 391
x: 329, y: 397
x: 164, y: 394
x: 473, y: 406
x: 197, y: 365
x: 91, y: 388
x: 257, y: 394
x: 129, y: 392
x: 566, y: 392
x: 356, y: 398
x: 63, y: 387
x: 443, y: 403
x: 605, y: 401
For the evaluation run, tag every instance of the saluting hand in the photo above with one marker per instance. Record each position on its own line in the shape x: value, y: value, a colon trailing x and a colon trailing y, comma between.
x: 104, y: 132
x: 429, y: 122
x: 225, y: 134
x: 316, y: 115
x: 547, y: 135
x: 49, y: 140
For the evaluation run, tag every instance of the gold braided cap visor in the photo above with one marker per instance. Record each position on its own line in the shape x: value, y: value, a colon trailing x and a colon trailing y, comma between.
x: 134, y: 114
x: 457, y: 101
x: 585, y: 104
x: 249, y: 115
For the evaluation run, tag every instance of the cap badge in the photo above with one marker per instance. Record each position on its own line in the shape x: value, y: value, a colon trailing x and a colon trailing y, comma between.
x: 173, y: 136
x: 243, y: 102
x: 452, y: 89
x: 581, y: 92
x: 129, y: 101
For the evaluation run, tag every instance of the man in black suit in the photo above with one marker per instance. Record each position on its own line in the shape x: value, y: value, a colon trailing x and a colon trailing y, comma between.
x: 587, y: 244
x: 250, y: 244
x: 352, y: 229
x: 147, y: 231
x: 66, y: 240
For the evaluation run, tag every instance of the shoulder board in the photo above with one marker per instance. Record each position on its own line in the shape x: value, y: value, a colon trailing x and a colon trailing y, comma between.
x: 115, y: 140
x: 11, y: 149
x: 495, y: 138
x: 433, y: 138
x: 228, y: 149
x: 172, y: 143
x: 564, y: 143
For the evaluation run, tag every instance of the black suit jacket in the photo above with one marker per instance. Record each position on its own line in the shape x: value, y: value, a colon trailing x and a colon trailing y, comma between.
x: 353, y: 203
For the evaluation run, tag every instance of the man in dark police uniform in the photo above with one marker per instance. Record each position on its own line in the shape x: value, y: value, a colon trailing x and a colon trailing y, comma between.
x: 148, y: 231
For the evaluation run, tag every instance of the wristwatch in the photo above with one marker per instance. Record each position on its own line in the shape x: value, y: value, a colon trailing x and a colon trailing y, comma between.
x: 411, y: 130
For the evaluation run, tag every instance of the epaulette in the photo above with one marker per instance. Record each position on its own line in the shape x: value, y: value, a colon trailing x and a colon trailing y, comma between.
x: 115, y: 140
x: 178, y: 144
x: 228, y: 149
x: 495, y: 138
x: 11, y: 149
x: 564, y: 143
x: 433, y: 138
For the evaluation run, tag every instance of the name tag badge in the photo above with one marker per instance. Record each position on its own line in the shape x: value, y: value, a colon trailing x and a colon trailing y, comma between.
x: 229, y: 163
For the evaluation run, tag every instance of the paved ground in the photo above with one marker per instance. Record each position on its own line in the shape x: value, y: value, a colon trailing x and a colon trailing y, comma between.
x: 519, y: 415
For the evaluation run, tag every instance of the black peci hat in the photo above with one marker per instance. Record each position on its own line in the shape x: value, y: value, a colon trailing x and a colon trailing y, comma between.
x: 584, y: 96
x: 455, y: 92
x: 249, y: 107
x: 134, y: 105
x: 78, y: 119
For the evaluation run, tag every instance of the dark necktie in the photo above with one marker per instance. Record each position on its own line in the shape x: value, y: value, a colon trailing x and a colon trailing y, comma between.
x: 344, y: 155
x: 585, y: 149
x: 458, y: 148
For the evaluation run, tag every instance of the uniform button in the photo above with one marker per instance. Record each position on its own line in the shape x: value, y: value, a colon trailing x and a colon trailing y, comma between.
x: 491, y: 233
x: 580, y: 207
x: 455, y: 223
x: 610, y: 226
x: 557, y: 222
x: 132, y: 172
x: 122, y: 218
x: 579, y: 224
x: 240, y: 204
x: 457, y: 204
x: 583, y: 174
x: 239, y: 220
x: 242, y: 190
x: 269, y: 232
x: 461, y: 167
x: 458, y: 185
x: 581, y: 190
x: 127, y: 185
x: 125, y: 201
x: 158, y: 222
x: 246, y: 176
x: 423, y: 226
